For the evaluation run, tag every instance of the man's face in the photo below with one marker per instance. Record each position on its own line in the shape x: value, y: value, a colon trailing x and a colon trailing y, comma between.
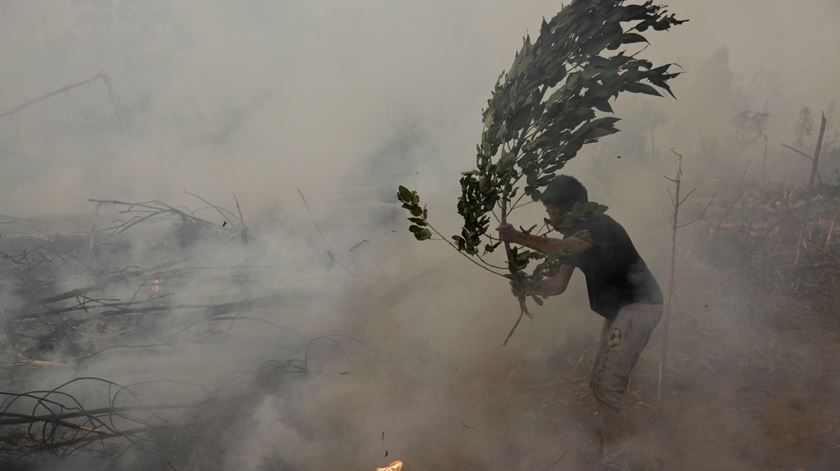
x: 554, y: 212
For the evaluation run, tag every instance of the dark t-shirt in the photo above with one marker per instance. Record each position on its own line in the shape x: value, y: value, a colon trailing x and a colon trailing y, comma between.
x: 616, y: 276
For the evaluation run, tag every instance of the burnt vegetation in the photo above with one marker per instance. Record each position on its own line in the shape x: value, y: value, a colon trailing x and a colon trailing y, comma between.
x: 107, y: 315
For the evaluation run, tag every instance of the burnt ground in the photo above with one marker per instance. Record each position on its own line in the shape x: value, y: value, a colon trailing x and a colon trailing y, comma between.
x: 764, y: 400
x: 751, y: 382
x: 750, y: 386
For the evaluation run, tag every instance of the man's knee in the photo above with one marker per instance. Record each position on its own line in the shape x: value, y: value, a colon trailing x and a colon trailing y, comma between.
x: 608, y: 391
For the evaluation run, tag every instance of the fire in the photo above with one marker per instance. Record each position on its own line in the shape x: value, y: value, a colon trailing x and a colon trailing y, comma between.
x: 394, y: 466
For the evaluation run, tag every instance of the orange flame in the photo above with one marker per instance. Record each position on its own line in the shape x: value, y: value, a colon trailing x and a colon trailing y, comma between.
x: 394, y: 466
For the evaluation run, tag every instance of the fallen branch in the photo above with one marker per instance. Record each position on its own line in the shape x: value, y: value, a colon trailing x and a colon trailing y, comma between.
x: 26, y: 104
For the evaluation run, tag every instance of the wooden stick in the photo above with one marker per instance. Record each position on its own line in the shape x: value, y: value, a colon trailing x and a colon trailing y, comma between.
x: 24, y: 360
x: 802, y: 154
x: 516, y: 324
x: 107, y: 79
x: 764, y: 162
x: 816, y: 160
x: 667, y: 311
x: 523, y: 308
x: 91, y: 241
x: 828, y: 236
x: 326, y: 242
x: 28, y: 103
x: 241, y: 220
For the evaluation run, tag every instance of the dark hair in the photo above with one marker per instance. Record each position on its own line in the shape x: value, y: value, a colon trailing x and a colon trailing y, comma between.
x: 564, y: 191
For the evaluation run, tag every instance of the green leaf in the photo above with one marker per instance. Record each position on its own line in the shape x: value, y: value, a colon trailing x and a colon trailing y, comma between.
x: 420, y: 233
x: 506, y: 162
x: 489, y: 248
x: 404, y: 194
x: 641, y: 88
x: 602, y: 104
x: 630, y: 38
x: 600, y: 132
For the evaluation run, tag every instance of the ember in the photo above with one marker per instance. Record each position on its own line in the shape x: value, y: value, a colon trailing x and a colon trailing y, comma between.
x: 394, y: 466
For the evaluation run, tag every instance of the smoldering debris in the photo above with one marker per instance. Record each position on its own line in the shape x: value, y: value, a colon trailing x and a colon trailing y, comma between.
x: 83, y: 339
x: 782, y: 234
x: 158, y: 282
x: 114, y: 293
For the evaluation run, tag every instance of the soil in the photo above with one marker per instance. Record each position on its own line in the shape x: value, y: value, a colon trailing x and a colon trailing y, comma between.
x: 750, y: 385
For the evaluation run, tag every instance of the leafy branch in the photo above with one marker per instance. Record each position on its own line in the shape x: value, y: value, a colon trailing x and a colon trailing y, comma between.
x: 542, y: 111
x: 423, y: 229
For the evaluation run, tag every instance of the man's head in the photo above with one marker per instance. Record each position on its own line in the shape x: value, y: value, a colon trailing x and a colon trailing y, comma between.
x: 561, y: 195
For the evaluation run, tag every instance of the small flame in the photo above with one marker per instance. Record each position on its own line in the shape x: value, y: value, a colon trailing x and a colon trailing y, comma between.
x: 394, y: 466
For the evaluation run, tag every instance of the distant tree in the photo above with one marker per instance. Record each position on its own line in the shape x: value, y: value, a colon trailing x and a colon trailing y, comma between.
x: 750, y: 126
x: 804, y: 125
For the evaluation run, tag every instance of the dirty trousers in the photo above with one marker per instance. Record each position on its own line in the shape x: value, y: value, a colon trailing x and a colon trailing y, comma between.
x: 622, y: 341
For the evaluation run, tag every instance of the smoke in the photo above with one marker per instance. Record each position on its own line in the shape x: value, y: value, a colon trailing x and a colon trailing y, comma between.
x: 338, y: 103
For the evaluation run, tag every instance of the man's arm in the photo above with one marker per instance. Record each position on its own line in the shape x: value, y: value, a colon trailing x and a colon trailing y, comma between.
x: 571, y: 245
x: 558, y: 283
x: 551, y: 286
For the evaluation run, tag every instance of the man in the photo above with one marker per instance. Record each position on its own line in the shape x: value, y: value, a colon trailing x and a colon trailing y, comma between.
x: 621, y: 289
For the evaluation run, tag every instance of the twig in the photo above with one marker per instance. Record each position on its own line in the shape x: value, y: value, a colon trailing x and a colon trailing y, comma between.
x: 483, y: 267
x: 10, y: 418
x: 815, y: 162
x: 557, y: 461
x: 515, y: 325
x: 803, y: 154
x: 107, y: 79
x: 69, y: 426
x: 149, y: 210
x: 764, y: 161
x: 667, y: 314
x: 92, y: 241
x: 21, y: 359
x: 362, y: 242
x: 311, y: 218
x: 523, y: 308
x: 828, y: 235
x: 28, y: 103
x: 218, y: 209
x: 701, y: 215
x: 734, y: 202
x: 241, y: 220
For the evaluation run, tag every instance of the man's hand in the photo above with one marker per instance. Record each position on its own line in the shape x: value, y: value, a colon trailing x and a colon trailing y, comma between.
x: 508, y: 234
x: 551, y: 286
x: 520, y: 288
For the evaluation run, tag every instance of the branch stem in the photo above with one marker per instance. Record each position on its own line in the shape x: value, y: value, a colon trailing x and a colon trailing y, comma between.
x: 515, y: 325
x: 478, y: 264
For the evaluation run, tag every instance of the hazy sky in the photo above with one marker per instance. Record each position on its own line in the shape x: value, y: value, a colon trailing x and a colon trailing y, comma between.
x: 223, y: 97
x: 348, y: 99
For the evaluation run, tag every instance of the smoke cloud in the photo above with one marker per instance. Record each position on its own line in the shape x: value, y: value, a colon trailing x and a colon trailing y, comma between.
x: 312, y: 113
